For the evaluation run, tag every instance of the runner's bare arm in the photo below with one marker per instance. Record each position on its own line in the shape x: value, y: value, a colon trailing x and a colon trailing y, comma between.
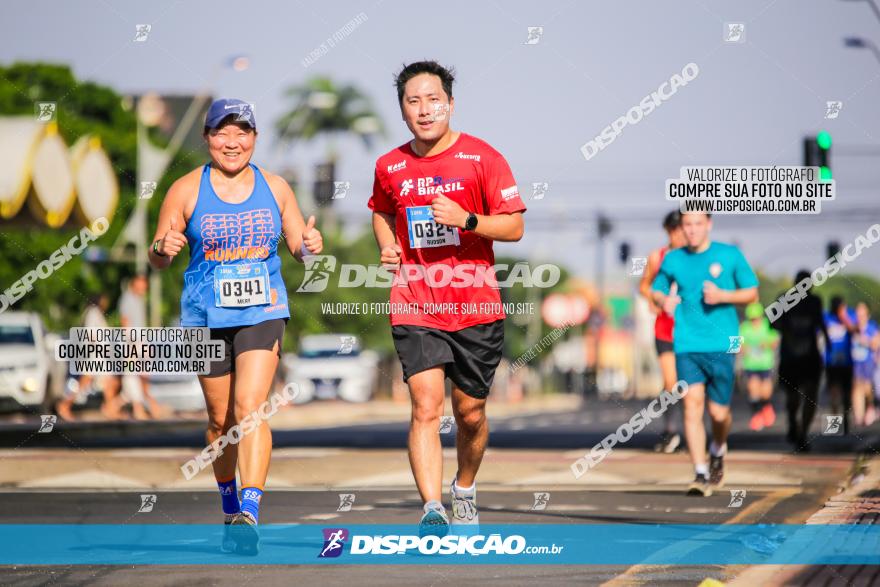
x: 712, y: 294
x: 386, y: 238
x: 666, y: 302
x: 296, y: 231
x: 496, y: 227
x: 500, y: 227
x: 875, y: 342
x: 169, y: 239
x: 383, y: 229
x: 844, y: 319
x: 648, y: 279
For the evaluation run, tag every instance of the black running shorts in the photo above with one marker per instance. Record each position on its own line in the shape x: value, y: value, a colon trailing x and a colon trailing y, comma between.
x: 663, y: 346
x: 794, y: 372
x: 839, y: 376
x: 470, y: 355
x: 239, y: 339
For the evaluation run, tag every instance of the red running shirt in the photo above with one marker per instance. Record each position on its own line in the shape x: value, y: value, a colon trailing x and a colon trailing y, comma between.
x: 455, y: 290
x: 664, y: 323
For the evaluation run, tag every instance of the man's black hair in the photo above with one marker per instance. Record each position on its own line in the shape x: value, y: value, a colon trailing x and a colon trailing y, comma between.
x: 446, y: 75
x: 801, y: 275
x: 836, y: 302
x: 672, y: 220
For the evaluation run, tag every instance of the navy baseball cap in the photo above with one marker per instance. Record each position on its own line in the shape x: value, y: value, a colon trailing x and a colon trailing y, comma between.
x: 223, y: 107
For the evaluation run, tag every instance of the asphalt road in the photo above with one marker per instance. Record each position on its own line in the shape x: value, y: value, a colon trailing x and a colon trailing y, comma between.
x: 641, y: 505
x: 633, y: 485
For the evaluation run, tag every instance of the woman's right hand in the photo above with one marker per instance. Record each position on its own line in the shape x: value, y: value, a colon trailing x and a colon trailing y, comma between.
x: 172, y: 243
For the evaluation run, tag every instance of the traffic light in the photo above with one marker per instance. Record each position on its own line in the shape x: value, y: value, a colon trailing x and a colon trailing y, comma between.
x: 817, y: 153
x: 624, y: 252
x: 832, y: 248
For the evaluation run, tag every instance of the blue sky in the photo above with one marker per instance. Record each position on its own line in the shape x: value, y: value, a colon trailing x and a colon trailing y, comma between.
x: 750, y: 105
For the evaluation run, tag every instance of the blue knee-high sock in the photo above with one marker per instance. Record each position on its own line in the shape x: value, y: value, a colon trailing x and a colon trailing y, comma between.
x: 229, y: 496
x: 250, y: 501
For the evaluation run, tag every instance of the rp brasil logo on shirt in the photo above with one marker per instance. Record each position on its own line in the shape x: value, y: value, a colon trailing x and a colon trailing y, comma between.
x: 429, y: 186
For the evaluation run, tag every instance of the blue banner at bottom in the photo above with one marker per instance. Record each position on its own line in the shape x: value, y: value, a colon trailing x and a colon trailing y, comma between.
x: 575, y: 544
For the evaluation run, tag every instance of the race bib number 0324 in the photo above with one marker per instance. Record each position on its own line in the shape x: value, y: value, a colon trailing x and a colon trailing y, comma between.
x: 424, y: 232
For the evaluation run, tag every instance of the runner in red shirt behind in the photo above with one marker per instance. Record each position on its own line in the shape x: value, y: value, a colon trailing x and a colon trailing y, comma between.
x: 438, y: 203
x: 663, y: 325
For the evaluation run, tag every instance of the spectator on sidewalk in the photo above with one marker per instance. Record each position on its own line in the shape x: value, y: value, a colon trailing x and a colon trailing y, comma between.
x: 133, y: 314
x: 93, y: 317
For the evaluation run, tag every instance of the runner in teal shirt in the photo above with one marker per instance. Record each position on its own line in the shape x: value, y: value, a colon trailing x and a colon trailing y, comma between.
x: 701, y: 327
x: 711, y: 278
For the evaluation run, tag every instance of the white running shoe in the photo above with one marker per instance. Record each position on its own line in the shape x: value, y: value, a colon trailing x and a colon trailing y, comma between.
x: 435, y: 522
x: 244, y: 532
x: 227, y: 544
x: 464, y: 506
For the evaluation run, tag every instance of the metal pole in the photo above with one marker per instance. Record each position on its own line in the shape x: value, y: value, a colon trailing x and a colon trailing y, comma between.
x: 601, y: 224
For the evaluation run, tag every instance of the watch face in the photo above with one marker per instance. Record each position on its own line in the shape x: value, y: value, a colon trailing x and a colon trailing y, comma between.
x: 471, y: 222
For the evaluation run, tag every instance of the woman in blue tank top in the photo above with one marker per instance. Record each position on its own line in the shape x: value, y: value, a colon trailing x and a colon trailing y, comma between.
x: 232, y: 215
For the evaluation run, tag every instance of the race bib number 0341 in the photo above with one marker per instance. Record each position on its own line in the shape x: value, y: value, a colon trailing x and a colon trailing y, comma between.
x: 424, y: 232
x: 241, y: 285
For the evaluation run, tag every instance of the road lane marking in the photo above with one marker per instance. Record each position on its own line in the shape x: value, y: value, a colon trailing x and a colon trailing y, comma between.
x: 748, y: 515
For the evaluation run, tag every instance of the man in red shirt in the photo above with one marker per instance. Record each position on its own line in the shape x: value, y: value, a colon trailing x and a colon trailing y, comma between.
x: 438, y: 203
x: 669, y: 438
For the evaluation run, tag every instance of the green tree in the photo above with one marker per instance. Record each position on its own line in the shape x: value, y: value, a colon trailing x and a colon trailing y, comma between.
x: 853, y: 287
x: 82, y: 108
x: 324, y: 109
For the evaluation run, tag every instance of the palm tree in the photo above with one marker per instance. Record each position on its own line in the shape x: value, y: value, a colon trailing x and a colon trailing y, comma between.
x: 323, y: 108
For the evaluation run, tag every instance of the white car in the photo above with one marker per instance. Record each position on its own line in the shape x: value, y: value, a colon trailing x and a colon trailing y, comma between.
x: 330, y: 366
x: 181, y: 392
x: 24, y: 361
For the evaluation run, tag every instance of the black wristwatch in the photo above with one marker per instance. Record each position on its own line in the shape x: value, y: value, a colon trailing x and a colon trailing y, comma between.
x: 471, y: 222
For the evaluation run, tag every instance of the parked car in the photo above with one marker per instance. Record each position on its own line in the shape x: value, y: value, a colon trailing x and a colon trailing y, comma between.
x: 26, y: 358
x: 180, y: 391
x: 330, y: 366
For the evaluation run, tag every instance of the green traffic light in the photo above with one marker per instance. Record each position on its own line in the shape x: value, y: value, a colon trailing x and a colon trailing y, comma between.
x: 823, y: 139
x: 824, y: 173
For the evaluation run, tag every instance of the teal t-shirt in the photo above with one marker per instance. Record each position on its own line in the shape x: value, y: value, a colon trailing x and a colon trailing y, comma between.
x: 700, y: 327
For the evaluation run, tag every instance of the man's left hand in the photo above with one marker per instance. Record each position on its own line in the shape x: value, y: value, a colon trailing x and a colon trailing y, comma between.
x: 713, y: 295
x: 447, y: 211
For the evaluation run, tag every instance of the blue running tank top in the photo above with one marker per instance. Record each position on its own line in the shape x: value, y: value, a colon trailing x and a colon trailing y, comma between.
x: 233, y: 252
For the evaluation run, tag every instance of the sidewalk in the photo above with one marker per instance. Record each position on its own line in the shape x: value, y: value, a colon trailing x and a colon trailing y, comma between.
x: 331, y: 413
x: 858, y: 503
x: 326, y: 414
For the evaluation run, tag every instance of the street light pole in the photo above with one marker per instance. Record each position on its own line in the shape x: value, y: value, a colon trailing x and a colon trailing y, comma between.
x: 861, y: 43
x: 874, y: 8
x: 603, y: 229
